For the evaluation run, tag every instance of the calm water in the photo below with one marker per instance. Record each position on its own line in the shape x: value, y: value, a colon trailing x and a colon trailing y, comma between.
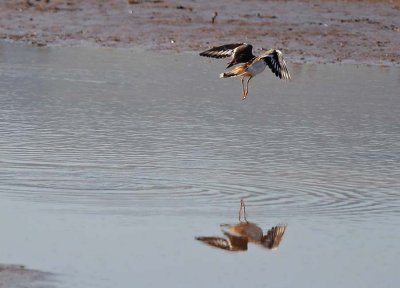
x: 112, y: 161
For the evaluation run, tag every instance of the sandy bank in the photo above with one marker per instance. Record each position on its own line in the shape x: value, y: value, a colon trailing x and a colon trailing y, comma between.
x: 307, y: 31
x: 17, y: 276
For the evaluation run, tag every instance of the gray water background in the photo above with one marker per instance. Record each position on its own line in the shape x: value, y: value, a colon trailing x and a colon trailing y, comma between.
x: 113, y: 160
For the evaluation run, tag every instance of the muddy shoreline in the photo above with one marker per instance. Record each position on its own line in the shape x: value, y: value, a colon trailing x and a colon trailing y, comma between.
x: 18, y: 276
x: 307, y: 31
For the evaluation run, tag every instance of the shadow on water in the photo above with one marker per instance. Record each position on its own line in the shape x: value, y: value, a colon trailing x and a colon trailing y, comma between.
x: 237, y: 236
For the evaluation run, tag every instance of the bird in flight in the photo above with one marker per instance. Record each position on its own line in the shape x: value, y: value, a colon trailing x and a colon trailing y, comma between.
x: 248, y: 65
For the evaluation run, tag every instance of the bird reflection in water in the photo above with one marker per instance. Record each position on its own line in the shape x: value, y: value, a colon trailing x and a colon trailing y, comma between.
x: 237, y: 236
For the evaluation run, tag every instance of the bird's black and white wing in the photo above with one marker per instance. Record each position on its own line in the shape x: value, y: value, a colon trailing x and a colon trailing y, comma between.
x: 240, y: 53
x: 233, y: 243
x: 275, y: 61
x: 274, y: 237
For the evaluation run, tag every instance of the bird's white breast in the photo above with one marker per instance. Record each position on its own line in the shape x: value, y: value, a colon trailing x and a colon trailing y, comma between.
x: 257, y: 67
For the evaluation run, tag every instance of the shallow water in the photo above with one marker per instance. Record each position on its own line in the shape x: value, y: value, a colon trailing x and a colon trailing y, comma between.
x: 112, y: 161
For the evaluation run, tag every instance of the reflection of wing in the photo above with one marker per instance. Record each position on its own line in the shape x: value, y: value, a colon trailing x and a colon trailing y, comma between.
x: 277, y: 64
x: 274, y: 237
x: 240, y: 53
x: 233, y: 243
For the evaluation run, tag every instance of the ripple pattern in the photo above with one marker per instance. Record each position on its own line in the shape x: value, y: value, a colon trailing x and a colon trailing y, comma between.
x: 118, y: 142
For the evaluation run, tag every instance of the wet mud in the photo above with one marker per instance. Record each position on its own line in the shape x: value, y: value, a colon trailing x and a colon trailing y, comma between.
x: 307, y: 31
x: 18, y: 276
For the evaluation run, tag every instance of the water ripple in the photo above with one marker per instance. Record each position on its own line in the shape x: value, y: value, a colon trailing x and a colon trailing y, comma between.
x: 113, y: 140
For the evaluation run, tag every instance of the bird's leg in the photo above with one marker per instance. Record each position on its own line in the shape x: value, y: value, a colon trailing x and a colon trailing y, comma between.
x: 240, y: 210
x: 244, y: 211
x: 247, y: 85
x: 244, y: 92
x: 242, y: 207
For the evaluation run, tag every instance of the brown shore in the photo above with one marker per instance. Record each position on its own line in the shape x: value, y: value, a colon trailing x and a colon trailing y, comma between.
x: 307, y: 31
x: 17, y: 276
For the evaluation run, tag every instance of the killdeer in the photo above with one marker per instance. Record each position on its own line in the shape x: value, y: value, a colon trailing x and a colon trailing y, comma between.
x: 238, y: 235
x: 249, y: 65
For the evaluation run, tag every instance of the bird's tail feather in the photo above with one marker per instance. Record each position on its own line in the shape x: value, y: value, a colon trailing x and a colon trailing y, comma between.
x: 237, y: 71
x: 227, y: 75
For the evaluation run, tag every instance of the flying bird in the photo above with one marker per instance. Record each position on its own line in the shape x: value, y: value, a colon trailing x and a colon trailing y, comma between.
x: 248, y: 65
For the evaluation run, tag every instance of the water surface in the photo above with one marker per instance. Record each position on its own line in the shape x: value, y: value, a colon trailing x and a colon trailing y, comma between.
x: 112, y: 161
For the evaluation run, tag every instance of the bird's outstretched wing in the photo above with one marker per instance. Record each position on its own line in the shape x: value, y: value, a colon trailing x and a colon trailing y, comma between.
x: 240, y: 53
x: 232, y: 243
x: 275, y: 61
x: 274, y: 237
